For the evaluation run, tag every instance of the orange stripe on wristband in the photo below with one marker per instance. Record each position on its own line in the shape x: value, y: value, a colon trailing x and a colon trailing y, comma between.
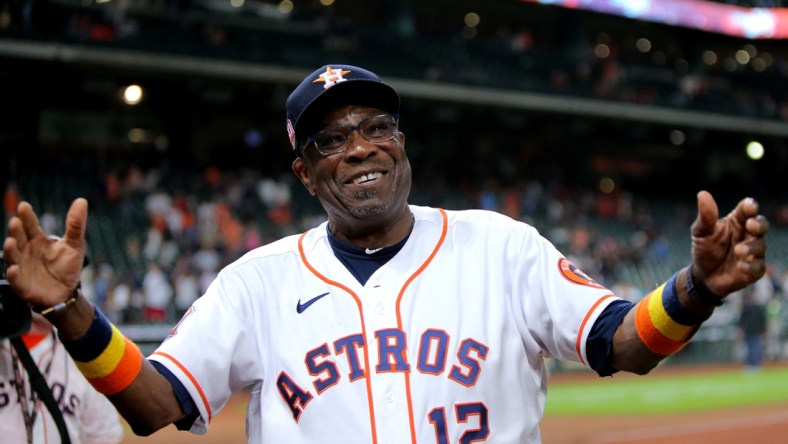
x: 116, y: 367
x: 123, y: 374
x: 649, y: 333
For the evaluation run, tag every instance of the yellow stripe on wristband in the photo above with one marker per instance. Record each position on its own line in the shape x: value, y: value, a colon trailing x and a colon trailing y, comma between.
x: 662, y: 320
x: 658, y: 331
x: 106, y: 362
x: 116, y: 367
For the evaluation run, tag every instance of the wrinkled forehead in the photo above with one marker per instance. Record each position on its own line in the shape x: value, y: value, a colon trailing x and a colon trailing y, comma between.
x: 347, y: 115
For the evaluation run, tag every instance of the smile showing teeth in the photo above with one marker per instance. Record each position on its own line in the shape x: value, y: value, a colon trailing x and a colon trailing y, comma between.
x: 367, y: 178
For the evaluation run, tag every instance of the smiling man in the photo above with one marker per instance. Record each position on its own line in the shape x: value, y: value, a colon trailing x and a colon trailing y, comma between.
x: 389, y: 322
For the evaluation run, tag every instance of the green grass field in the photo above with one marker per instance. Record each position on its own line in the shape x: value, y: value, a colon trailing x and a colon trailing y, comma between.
x: 668, y: 393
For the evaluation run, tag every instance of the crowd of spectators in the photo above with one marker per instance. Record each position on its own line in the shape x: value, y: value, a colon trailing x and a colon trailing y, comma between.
x: 176, y: 238
x: 645, y: 65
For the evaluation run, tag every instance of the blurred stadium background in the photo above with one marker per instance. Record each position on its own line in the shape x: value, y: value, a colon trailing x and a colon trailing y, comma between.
x: 596, y: 121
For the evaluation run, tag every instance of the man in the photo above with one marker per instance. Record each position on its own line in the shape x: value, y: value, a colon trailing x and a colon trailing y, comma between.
x: 89, y: 417
x: 388, y: 323
x: 752, y: 324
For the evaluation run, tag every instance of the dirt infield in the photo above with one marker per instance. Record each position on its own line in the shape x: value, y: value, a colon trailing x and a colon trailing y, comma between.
x: 762, y: 425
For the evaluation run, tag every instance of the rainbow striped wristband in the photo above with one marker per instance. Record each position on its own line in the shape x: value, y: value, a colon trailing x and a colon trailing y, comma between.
x: 662, y: 323
x: 109, y: 360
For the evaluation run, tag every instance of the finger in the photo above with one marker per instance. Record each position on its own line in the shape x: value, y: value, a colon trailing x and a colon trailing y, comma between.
x: 17, y: 232
x: 745, y: 209
x: 758, y: 225
x: 754, y: 248
x: 76, y: 221
x: 11, y: 256
x: 11, y: 273
x: 10, y: 251
x: 29, y: 221
x: 755, y: 268
x: 708, y: 213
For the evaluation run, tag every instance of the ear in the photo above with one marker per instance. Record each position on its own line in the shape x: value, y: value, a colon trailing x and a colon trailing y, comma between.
x: 301, y: 170
x: 401, y: 137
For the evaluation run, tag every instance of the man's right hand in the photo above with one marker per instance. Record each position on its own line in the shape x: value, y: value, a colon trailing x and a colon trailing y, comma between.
x: 41, y: 270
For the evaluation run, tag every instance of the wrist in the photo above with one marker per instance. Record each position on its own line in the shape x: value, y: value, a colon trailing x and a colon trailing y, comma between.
x: 698, y: 292
x: 73, y: 317
x: 76, y: 294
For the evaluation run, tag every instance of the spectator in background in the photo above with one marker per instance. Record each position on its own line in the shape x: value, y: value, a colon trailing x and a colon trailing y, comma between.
x: 89, y: 417
x: 775, y: 314
x: 128, y: 300
x: 50, y: 223
x: 187, y: 286
x: 764, y: 288
x: 104, y: 275
x: 752, y: 324
x: 119, y: 301
x: 153, y: 242
x: 158, y: 203
x: 158, y: 293
x: 206, y: 259
x: 252, y: 236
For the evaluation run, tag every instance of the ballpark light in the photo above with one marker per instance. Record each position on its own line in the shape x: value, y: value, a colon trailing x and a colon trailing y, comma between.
x: 755, y: 150
x: 132, y: 94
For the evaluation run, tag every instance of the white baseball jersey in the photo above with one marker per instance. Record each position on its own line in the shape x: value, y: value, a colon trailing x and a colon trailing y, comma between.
x: 445, y: 343
x: 89, y: 416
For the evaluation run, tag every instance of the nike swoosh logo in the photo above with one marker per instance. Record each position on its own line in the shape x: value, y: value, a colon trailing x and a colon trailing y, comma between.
x: 301, y: 307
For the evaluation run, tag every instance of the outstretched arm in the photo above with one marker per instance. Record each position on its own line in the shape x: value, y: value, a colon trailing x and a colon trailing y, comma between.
x: 45, y: 272
x: 728, y: 254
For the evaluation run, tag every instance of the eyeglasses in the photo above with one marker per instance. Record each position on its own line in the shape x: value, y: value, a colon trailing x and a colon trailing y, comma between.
x: 334, y: 140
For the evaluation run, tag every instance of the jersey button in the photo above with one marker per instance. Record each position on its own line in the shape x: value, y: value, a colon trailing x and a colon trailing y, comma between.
x: 381, y: 309
x: 390, y: 397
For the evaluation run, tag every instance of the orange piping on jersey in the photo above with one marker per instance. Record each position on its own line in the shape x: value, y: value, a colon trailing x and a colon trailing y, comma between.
x: 32, y: 339
x: 583, y: 326
x: 423, y: 266
x: 191, y: 378
x: 367, y: 367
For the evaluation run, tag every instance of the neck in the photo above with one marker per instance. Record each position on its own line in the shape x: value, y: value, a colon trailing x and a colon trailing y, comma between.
x: 376, y: 235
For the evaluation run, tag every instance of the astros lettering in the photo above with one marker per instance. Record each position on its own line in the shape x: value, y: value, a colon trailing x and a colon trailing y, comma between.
x: 431, y: 358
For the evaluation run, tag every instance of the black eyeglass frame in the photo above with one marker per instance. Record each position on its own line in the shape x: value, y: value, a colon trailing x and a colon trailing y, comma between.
x: 312, y: 140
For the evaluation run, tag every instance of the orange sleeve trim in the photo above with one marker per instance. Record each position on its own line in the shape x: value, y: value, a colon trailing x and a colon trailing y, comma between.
x: 192, y: 379
x: 583, y: 325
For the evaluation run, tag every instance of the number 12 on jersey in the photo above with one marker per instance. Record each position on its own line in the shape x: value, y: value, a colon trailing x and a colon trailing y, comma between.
x: 437, y: 417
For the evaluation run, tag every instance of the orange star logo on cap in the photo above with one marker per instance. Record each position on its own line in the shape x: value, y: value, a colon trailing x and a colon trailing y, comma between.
x: 331, y: 77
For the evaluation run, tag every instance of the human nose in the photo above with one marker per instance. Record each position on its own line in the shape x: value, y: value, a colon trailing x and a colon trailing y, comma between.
x: 358, y: 144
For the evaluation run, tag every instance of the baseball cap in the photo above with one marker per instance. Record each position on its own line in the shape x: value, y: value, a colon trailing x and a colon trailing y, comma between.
x: 330, y: 87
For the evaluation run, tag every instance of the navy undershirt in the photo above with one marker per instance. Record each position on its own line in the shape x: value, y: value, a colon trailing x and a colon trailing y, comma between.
x: 190, y: 410
x: 362, y: 265
x: 599, y: 345
x: 359, y: 262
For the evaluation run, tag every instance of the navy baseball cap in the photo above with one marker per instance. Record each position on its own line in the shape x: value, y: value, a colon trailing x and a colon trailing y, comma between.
x: 331, y: 87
